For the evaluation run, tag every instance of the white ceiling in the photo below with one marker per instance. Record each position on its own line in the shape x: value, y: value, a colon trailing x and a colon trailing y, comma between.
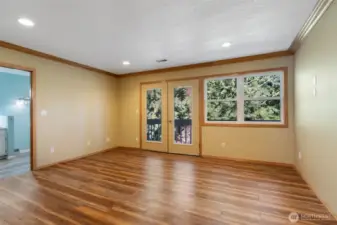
x: 103, y: 33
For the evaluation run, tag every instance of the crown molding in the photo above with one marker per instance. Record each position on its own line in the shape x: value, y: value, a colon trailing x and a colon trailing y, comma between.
x: 170, y: 69
x: 210, y: 64
x: 317, y: 13
x: 52, y: 57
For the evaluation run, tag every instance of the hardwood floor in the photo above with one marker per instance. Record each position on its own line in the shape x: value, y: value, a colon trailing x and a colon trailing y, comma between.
x: 20, y: 164
x: 139, y: 187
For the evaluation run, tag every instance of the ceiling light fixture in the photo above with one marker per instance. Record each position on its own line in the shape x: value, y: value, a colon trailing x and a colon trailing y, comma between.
x: 226, y: 44
x: 26, y: 22
x: 126, y: 63
x: 22, y: 101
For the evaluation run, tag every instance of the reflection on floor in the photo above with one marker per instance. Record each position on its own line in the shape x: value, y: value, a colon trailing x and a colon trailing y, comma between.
x: 132, y: 187
x: 15, y: 166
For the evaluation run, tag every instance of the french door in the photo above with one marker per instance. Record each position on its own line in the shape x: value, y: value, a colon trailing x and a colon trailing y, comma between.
x: 170, y: 117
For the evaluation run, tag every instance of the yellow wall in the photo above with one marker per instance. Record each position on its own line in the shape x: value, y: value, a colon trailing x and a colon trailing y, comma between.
x: 267, y: 144
x: 316, y: 117
x: 81, y: 106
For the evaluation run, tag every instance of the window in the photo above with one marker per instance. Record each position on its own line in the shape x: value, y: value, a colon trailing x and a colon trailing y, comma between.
x: 183, y: 115
x: 256, y: 98
x: 153, y: 112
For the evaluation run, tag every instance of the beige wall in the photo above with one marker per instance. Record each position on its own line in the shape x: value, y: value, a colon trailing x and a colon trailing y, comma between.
x: 81, y: 106
x: 316, y: 117
x: 267, y: 144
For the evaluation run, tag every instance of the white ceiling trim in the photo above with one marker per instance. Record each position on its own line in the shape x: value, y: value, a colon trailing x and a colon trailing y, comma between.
x: 320, y: 8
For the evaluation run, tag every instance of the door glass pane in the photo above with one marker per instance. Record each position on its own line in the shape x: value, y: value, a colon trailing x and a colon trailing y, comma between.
x: 183, y: 115
x: 153, y: 111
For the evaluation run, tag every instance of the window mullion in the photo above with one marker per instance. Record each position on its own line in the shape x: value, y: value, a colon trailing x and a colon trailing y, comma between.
x: 240, y: 99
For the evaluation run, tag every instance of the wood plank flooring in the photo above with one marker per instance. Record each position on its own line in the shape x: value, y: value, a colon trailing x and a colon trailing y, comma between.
x: 143, y: 188
x: 18, y: 165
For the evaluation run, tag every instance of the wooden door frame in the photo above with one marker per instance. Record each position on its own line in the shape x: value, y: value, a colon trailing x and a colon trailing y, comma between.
x: 32, y: 72
x: 141, y: 110
x: 200, y: 109
x: 200, y: 79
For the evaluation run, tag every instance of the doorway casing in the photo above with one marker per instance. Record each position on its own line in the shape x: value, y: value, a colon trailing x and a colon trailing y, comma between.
x: 32, y: 72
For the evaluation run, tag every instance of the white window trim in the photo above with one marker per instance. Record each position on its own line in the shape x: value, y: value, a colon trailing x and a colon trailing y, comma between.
x: 240, y: 99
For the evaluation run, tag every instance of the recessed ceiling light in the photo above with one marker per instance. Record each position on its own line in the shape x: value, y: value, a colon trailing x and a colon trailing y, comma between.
x: 226, y: 44
x: 126, y: 63
x: 26, y: 22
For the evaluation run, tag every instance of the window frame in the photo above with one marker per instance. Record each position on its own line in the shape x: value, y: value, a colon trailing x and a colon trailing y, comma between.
x: 240, y: 99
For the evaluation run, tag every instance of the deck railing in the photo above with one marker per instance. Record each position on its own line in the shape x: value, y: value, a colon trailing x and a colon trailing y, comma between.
x: 154, y: 129
x: 182, y: 130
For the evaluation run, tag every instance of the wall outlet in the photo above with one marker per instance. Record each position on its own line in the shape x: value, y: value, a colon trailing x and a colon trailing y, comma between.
x: 223, y: 145
x: 52, y: 150
x: 299, y: 155
x: 88, y: 143
x: 107, y: 139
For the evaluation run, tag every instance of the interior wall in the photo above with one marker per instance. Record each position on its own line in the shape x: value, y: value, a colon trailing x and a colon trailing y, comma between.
x: 266, y: 144
x: 80, y: 105
x: 12, y: 87
x: 316, y: 116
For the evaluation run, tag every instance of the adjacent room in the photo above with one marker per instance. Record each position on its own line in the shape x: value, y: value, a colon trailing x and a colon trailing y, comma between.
x: 168, y: 112
x: 14, y: 122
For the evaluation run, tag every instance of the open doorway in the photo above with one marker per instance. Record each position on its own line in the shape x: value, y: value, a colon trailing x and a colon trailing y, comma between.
x: 16, y: 147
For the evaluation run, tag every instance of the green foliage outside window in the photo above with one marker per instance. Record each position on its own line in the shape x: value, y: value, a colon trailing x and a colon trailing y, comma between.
x: 153, y: 103
x: 260, y: 97
x: 153, y: 113
x: 220, y: 96
x: 262, y: 110
x: 262, y: 87
x: 221, y: 111
x: 182, y: 103
x: 221, y: 89
x: 183, y: 115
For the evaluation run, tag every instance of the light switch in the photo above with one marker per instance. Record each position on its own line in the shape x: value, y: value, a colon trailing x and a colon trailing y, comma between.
x: 314, y: 80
